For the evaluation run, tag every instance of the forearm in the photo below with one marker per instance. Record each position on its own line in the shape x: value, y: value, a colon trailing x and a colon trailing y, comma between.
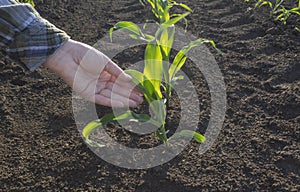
x: 25, y: 36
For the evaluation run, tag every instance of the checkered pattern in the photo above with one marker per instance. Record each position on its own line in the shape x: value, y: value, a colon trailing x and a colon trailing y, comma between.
x: 25, y: 36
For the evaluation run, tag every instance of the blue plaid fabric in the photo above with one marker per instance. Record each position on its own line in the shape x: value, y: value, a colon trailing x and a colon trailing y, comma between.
x: 25, y: 36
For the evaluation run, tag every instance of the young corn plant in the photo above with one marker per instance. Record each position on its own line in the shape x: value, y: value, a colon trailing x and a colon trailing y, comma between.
x: 156, y: 70
x: 278, y: 11
x: 275, y: 7
x: 284, y: 13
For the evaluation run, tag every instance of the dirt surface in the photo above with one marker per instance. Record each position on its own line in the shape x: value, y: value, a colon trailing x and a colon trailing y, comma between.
x: 258, y: 148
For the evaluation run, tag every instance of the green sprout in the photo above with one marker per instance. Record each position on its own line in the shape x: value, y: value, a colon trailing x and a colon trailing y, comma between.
x: 156, y: 70
x: 278, y: 11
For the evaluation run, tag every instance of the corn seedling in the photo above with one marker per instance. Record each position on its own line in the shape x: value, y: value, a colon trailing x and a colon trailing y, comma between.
x: 156, y: 70
x: 278, y: 10
x: 275, y: 7
x: 284, y: 13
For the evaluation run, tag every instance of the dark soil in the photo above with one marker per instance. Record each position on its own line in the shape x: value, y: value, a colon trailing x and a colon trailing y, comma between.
x: 258, y: 148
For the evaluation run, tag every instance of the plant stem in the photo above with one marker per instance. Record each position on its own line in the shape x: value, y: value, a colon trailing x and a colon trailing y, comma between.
x: 163, y: 133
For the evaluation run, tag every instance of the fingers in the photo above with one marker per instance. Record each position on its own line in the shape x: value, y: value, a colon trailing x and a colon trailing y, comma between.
x: 117, y: 95
x: 106, y: 101
x: 115, y: 70
x: 95, y: 62
x: 107, y: 98
x: 95, y: 76
x: 125, y: 91
x: 129, y: 85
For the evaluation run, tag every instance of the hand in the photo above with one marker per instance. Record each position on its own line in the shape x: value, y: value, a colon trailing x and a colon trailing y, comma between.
x: 93, y: 75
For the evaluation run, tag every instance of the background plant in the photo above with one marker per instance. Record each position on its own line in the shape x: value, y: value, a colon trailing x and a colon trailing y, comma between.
x: 277, y: 9
x: 158, y: 68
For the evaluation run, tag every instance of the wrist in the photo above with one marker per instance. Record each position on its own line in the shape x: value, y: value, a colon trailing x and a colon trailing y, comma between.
x: 56, y: 60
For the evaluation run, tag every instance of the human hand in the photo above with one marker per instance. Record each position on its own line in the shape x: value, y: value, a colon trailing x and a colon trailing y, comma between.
x: 93, y: 75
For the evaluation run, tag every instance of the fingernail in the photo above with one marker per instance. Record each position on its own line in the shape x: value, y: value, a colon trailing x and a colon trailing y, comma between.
x: 133, y: 104
x: 141, y: 100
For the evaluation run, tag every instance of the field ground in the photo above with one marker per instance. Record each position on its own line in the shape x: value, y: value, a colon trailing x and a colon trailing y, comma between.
x: 258, y: 148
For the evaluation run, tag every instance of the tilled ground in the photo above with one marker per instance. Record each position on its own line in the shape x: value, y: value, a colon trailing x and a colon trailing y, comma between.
x: 258, y: 148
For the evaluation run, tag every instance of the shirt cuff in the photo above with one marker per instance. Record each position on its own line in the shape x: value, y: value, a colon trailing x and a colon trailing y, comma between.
x: 36, y: 43
x: 32, y: 45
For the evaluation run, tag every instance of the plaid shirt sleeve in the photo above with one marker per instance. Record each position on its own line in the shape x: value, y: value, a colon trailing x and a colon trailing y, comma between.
x: 25, y: 36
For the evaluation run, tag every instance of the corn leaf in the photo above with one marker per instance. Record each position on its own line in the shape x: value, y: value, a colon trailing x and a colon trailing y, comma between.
x: 159, y: 110
x: 90, y: 127
x: 181, y: 77
x: 170, y: 24
x: 153, y: 68
x: 175, y: 20
x: 180, y: 58
x: 188, y: 133
x: 161, y: 8
x: 128, y: 115
x: 166, y: 40
x: 166, y: 11
x: 134, y: 30
x: 142, y: 83
x: 277, y: 4
x: 262, y: 3
x: 183, y: 6
x: 185, y: 21
x: 157, y: 8
x: 295, y: 10
x: 160, y: 135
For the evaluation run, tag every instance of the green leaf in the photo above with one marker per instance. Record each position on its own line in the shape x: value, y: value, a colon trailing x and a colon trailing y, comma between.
x: 262, y: 3
x: 175, y: 20
x: 277, y: 5
x: 137, y: 78
x: 160, y: 135
x: 153, y: 68
x: 180, y: 58
x: 183, y: 6
x: 166, y: 42
x: 90, y: 127
x: 178, y: 62
x: 188, y: 133
x: 160, y: 9
x: 142, y: 83
x: 128, y: 115
x: 185, y: 21
x: 111, y: 33
x: 166, y: 10
x: 159, y: 110
x: 134, y: 30
x: 169, y: 24
x: 181, y: 77
x: 165, y: 38
x: 295, y: 10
